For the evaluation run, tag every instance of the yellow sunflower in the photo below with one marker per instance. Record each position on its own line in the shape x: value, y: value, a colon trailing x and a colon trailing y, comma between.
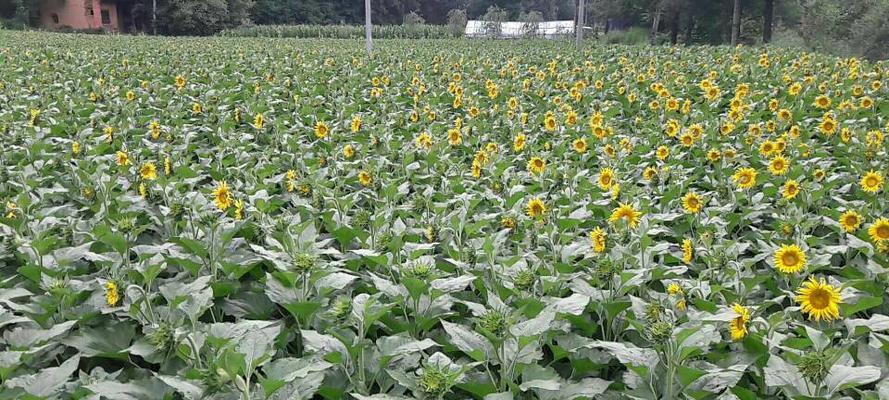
x: 606, y: 178
x: 879, y: 230
x: 687, y: 251
x: 518, y: 143
x: 148, y: 171
x: 850, y: 220
x: 455, y: 137
x: 123, y: 159
x: 112, y: 294
x: 649, y: 173
x: 364, y: 178
x: 745, y: 178
x: 790, y: 259
x: 597, y: 237
x: 872, y: 181
x: 222, y: 196
x: 692, y: 203
x: 819, y: 300
x: 626, y: 212
x: 779, y: 165
x: 321, y: 129
x: 790, y: 190
x: 536, y: 208
x: 662, y: 152
x: 579, y: 145
x: 738, y: 325
x: 348, y: 151
x: 536, y: 165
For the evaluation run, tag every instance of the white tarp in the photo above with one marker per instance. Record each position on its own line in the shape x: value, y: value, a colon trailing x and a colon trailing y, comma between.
x: 515, y: 29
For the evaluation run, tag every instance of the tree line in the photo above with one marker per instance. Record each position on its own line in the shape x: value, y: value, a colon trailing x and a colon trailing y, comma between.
x: 846, y: 27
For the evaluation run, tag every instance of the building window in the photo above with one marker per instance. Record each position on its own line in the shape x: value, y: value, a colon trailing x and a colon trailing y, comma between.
x: 55, y: 18
x: 106, y: 17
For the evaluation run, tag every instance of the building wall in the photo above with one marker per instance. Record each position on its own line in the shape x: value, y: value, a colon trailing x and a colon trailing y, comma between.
x: 78, y: 14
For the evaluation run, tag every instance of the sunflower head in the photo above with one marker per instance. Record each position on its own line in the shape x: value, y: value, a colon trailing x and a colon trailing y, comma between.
x: 879, y: 231
x: 819, y: 299
x: 790, y: 189
x: 745, y: 178
x: 536, y: 208
x: 738, y: 324
x: 872, y: 181
x: 850, y: 221
x: 692, y: 203
x: 606, y: 178
x: 790, y: 259
x: 536, y: 165
x: 627, y: 213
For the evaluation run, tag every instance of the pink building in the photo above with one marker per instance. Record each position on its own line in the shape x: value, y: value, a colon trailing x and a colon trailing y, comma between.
x: 80, y: 14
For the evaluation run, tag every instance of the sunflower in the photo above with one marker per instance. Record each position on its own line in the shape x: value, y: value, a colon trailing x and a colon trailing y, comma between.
x: 687, y: 250
x: 879, y: 230
x: 790, y: 190
x: 779, y: 165
x: 819, y: 299
x: 536, y: 208
x: 828, y: 125
x: 822, y: 102
x: 738, y: 325
x: 872, y: 181
x: 579, y: 145
x: 606, y: 178
x: 662, y: 152
x: 850, y: 220
x: 112, y: 294
x: 258, y: 121
x: 424, y: 141
x: 536, y: 165
x: 766, y: 148
x: 627, y: 212
x: 123, y: 159
x: 348, y: 151
x: 364, y: 178
x: 790, y: 259
x: 355, y: 124
x: 745, y: 178
x: 549, y: 123
x: 597, y: 237
x: 148, y: 171
x: 649, y: 173
x: 674, y: 289
x: 222, y: 196
x: 455, y: 137
x: 239, y: 210
x: 518, y: 143
x: 692, y: 203
x: 321, y: 129
x: 714, y: 155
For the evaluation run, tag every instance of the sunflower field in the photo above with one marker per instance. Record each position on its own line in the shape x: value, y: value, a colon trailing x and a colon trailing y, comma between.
x: 243, y: 218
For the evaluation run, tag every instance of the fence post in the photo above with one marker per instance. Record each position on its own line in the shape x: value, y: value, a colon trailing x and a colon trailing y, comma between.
x: 578, y: 29
x: 368, y: 41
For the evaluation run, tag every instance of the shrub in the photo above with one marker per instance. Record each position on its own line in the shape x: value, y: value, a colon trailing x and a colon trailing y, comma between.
x: 457, y: 21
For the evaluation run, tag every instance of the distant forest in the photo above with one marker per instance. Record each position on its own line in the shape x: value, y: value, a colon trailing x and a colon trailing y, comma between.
x: 845, y: 27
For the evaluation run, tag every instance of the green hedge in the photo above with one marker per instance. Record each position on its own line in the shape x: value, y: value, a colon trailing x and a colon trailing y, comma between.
x: 424, y: 31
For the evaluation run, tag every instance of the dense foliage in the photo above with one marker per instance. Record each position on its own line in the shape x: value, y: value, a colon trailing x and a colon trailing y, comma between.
x: 423, y: 31
x: 226, y: 218
x: 844, y: 28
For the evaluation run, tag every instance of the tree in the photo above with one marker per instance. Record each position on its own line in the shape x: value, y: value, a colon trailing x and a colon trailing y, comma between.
x: 768, y: 13
x: 736, y: 22
x: 655, y: 15
x: 457, y: 21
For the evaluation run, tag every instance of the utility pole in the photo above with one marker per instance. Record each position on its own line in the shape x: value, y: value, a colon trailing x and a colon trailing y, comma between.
x: 368, y: 41
x: 154, y: 16
x: 578, y: 30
